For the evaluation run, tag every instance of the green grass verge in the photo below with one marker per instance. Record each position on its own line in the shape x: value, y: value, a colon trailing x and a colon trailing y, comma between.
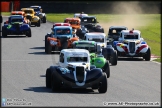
x: 157, y: 60
x: 5, y: 13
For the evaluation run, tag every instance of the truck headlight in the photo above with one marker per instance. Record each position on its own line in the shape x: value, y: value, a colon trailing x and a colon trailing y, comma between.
x: 35, y: 19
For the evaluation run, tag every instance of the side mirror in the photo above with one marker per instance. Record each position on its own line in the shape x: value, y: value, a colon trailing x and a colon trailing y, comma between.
x: 51, y: 28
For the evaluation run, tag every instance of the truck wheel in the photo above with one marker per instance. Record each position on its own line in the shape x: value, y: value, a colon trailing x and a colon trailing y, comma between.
x: 148, y: 55
x: 103, y: 86
x: 28, y: 33
x: 114, y: 58
x: 39, y: 23
x: 44, y: 19
x: 29, y: 24
x: 106, y: 69
x: 48, y: 48
x: 4, y: 32
x: 46, y: 43
x: 48, y: 78
x: 55, y: 83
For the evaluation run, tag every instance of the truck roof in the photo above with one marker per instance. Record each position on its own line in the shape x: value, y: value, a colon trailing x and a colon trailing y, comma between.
x: 111, y: 27
x: 95, y: 34
x: 27, y: 9
x: 130, y: 31
x: 88, y: 17
x: 61, y: 24
x: 75, y: 51
x: 80, y: 15
x: 35, y: 6
x: 64, y: 27
x: 72, y: 18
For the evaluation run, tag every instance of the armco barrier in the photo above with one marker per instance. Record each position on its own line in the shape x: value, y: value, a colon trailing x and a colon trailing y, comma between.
x: 5, y: 6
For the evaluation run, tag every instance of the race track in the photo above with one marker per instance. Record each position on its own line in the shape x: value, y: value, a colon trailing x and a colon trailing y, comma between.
x: 24, y: 63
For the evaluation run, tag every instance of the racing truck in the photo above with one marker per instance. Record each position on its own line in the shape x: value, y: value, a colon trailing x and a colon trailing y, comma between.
x: 60, y: 24
x: 74, y: 23
x: 27, y: 21
x: 38, y: 12
x: 30, y: 14
x: 79, y: 15
x: 96, y: 56
x: 16, y: 26
x: 90, y: 22
x: 74, y: 71
x: 131, y: 44
x: 114, y: 33
x: 62, y: 38
x: 107, y: 50
x: 54, y: 25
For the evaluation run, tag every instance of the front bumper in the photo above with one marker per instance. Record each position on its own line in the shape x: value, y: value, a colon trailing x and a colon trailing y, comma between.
x: 17, y: 32
x: 124, y: 54
x: 95, y: 83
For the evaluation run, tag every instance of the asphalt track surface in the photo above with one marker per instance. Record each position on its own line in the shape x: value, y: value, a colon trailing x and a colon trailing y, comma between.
x: 24, y: 63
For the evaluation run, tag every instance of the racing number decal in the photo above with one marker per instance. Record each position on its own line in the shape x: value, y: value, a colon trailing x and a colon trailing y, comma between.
x: 64, y: 70
x: 9, y: 26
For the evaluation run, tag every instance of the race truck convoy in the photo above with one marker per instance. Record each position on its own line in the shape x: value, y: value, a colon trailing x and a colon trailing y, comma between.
x: 74, y: 71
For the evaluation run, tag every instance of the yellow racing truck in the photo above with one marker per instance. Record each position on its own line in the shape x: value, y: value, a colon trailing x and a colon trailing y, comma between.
x: 30, y: 14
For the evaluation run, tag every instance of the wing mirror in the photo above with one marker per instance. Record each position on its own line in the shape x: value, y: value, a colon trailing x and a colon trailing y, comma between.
x: 51, y: 28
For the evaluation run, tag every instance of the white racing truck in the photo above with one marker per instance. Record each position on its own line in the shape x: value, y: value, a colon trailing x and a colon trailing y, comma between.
x: 80, y: 15
x: 74, y: 71
x: 131, y: 44
x: 107, y: 50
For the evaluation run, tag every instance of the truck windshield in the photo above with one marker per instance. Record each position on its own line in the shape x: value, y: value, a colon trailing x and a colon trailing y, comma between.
x: 72, y: 22
x: 16, y: 20
x: 90, y: 48
x: 130, y: 36
x: 77, y: 59
x: 28, y: 11
x: 36, y: 8
x: 97, y: 39
x: 63, y: 32
x: 115, y: 31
